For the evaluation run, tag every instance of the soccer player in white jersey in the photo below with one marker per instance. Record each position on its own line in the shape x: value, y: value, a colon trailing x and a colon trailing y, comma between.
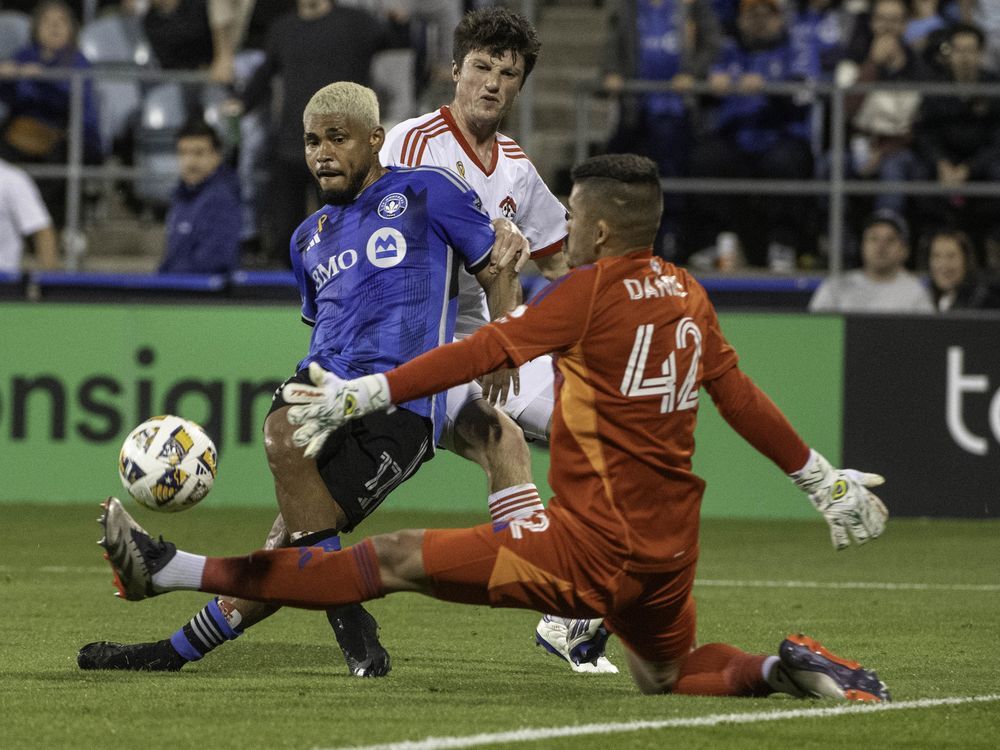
x: 494, y: 51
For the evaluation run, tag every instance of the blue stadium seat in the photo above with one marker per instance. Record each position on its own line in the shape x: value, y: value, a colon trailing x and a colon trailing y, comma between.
x: 213, y: 101
x: 115, y: 39
x: 15, y: 32
x: 115, y: 43
x: 163, y: 114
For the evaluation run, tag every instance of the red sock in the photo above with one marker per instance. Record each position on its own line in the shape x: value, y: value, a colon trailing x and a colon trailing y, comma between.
x: 307, y: 577
x: 721, y: 669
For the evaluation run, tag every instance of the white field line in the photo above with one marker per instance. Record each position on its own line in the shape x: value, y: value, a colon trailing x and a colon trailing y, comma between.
x: 714, y: 583
x: 544, y: 733
x: 875, y: 585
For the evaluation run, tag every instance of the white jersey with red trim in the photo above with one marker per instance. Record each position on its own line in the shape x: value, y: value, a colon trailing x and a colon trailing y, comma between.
x: 511, y: 189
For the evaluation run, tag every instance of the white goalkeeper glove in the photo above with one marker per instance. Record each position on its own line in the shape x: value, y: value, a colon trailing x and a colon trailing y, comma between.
x: 330, y: 403
x: 841, y: 495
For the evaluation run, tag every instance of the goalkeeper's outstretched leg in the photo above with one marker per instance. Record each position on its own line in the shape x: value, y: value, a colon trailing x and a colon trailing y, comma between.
x: 477, y: 566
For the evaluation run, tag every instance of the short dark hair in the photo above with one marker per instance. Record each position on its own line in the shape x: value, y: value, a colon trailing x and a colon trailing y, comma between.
x: 496, y: 30
x: 627, y: 187
x: 967, y: 28
x: 630, y: 168
x: 893, y: 219
x: 196, y: 127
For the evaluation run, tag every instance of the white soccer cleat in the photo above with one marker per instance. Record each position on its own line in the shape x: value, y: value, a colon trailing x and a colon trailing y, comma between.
x: 133, y: 555
x: 581, y: 643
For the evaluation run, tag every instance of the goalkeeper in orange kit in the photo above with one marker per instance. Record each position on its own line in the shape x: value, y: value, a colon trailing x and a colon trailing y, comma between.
x: 635, y: 340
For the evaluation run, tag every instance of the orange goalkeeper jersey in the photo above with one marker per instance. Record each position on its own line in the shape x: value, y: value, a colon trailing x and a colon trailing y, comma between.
x: 634, y: 340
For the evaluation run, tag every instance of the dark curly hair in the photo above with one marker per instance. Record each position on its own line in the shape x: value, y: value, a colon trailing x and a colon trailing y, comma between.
x: 497, y: 31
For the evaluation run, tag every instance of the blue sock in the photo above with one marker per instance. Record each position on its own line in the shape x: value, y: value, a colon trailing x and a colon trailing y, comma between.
x: 206, y: 631
x: 328, y: 540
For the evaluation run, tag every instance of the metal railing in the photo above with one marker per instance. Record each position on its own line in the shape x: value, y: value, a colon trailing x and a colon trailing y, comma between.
x: 838, y: 186
x: 74, y: 171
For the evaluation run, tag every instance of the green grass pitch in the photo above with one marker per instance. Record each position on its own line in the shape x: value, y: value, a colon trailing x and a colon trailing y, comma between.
x: 462, y: 671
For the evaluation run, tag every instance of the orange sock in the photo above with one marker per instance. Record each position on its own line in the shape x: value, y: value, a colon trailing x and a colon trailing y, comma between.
x: 721, y: 669
x: 308, y: 577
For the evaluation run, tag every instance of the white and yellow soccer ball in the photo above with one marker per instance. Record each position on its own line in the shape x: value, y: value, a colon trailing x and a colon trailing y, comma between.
x: 168, y: 463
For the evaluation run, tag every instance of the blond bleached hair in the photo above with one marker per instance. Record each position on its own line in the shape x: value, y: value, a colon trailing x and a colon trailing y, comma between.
x: 353, y: 100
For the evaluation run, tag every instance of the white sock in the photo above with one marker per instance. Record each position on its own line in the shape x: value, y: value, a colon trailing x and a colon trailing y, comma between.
x: 767, y: 666
x: 515, y: 502
x: 182, y: 572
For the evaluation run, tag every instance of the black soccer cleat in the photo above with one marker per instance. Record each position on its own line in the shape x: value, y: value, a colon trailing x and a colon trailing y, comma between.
x: 133, y: 657
x: 357, y: 636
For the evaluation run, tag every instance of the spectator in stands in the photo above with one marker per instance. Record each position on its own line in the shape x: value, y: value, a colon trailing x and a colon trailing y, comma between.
x: 672, y: 41
x: 882, y: 284
x: 822, y: 27
x: 240, y: 26
x: 986, y: 15
x: 179, y: 33
x: 882, y: 121
x: 203, y: 223
x: 925, y: 19
x: 319, y: 43
x: 239, y: 36
x: 37, y: 127
x: 757, y: 136
x: 726, y: 12
x: 23, y: 216
x: 958, y: 137
x: 955, y: 280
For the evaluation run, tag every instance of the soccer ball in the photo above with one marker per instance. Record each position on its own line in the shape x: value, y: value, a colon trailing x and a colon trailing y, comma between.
x: 167, y: 463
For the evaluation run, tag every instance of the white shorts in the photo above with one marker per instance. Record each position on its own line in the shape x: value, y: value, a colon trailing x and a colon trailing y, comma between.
x: 531, y: 408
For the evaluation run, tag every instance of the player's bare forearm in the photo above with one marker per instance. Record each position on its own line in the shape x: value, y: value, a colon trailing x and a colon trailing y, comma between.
x: 503, y: 294
x: 503, y: 290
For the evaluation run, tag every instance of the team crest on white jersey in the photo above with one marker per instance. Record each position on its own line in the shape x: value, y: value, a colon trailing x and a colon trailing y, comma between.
x: 392, y: 206
x: 386, y: 248
x: 460, y: 168
x: 508, y: 207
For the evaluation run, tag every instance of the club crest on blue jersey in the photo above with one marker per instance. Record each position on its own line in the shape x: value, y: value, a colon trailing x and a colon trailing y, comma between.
x: 386, y: 248
x: 392, y: 206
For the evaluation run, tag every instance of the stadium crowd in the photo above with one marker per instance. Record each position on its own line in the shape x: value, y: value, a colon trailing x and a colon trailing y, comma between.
x: 714, y: 121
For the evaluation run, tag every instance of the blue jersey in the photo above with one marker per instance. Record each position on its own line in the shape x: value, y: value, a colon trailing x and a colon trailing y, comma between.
x: 378, y: 277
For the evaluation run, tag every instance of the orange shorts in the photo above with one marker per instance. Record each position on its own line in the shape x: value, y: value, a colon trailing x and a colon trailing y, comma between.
x: 552, y: 563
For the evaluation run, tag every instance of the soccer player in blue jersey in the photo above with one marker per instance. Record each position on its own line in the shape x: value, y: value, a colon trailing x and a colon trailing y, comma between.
x: 375, y: 267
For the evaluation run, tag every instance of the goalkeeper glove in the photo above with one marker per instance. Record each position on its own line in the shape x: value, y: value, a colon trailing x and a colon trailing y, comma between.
x: 841, y: 495
x: 330, y: 404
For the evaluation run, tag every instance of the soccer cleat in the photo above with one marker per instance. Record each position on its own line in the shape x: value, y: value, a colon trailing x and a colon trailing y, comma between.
x: 132, y: 553
x: 820, y: 673
x: 581, y: 643
x: 134, y: 657
x: 357, y: 636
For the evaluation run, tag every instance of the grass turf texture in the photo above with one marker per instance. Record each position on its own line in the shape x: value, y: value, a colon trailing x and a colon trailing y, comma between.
x: 468, y: 670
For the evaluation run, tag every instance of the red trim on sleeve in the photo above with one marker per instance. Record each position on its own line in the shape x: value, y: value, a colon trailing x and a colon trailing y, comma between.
x: 552, y: 249
x: 757, y: 419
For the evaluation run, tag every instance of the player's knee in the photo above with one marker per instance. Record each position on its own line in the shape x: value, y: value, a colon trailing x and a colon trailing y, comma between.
x: 282, y: 454
x: 486, y: 432
x: 401, y: 560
